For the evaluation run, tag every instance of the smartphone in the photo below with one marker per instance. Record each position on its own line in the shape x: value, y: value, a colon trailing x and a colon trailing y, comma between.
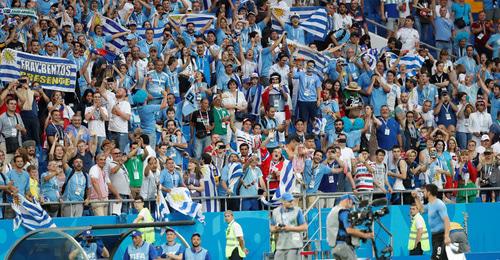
x: 109, y: 80
x: 22, y: 81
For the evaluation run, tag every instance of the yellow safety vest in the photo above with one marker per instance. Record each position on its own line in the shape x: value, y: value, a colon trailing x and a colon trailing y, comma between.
x: 424, y: 240
x: 232, y: 242
x: 148, y: 234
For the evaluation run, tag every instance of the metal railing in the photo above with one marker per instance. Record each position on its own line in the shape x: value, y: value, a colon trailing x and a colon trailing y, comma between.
x: 426, y: 45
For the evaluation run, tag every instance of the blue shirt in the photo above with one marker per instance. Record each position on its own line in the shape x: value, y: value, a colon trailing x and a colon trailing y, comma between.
x: 330, y: 181
x: 495, y: 105
x: 175, y: 249
x: 21, y: 180
x: 174, y: 152
x: 378, y: 98
x: 145, y: 46
x: 266, y: 59
x: 50, y: 188
x: 387, y: 133
x: 344, y: 219
x: 313, y: 176
x: 296, y: 33
x: 203, y: 64
x: 308, y: 85
x: 170, y: 180
x: 437, y: 211
x: 494, y: 42
x: 443, y: 29
x: 75, y: 187
x: 461, y: 11
x: 157, y: 84
x: 146, y: 113
x: 469, y: 63
x: 100, y: 41
x: 428, y: 92
x: 334, y: 107
x: 144, y: 252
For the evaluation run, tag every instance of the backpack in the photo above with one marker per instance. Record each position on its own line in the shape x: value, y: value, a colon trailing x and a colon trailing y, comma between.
x: 69, y: 178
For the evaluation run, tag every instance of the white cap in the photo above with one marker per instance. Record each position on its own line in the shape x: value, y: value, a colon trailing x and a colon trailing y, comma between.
x: 485, y: 137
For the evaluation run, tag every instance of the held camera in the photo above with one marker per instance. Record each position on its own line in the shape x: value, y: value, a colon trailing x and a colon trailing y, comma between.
x: 364, y: 215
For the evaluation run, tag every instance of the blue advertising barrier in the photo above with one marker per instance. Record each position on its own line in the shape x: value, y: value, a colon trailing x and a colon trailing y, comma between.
x: 481, y: 230
x: 255, y: 226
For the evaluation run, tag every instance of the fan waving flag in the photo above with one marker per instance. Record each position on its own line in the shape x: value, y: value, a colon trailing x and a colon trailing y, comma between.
x: 110, y: 27
x: 30, y: 215
x: 235, y: 172
x: 162, y: 211
x: 199, y: 20
x: 412, y: 61
x: 313, y: 19
x: 286, y: 181
x: 108, y: 55
x: 179, y: 198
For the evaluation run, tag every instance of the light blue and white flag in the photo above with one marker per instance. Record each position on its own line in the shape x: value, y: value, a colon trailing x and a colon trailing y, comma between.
x: 110, y: 27
x: 412, y: 61
x: 287, y: 178
x: 199, y: 20
x: 30, y: 215
x: 52, y: 73
x: 306, y: 53
x: 209, y: 174
x: 235, y: 172
x: 190, y: 104
x: 179, y: 198
x: 162, y: 211
x: 313, y: 19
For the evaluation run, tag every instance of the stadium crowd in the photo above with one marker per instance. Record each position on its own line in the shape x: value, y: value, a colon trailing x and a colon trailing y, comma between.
x: 181, y: 108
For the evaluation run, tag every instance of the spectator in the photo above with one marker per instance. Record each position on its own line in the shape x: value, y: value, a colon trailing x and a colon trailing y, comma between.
x: 444, y: 29
x: 50, y: 188
x: 12, y: 129
x: 96, y: 115
x: 75, y: 189
x: 200, y: 121
x: 170, y: 177
x: 100, y: 187
x: 251, y: 181
x: 119, y: 178
x: 118, y: 122
x: 193, y: 179
x: 20, y: 182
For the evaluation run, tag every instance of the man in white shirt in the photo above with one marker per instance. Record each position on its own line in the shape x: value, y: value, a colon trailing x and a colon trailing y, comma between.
x: 342, y: 19
x: 282, y: 68
x: 409, y: 37
x: 480, y: 121
x: 118, y: 123
x: 346, y: 183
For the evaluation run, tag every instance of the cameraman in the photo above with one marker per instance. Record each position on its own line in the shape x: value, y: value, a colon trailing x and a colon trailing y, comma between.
x: 288, y: 223
x: 341, y: 235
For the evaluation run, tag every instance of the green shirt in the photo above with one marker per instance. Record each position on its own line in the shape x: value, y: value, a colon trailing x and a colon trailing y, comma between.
x: 220, y: 127
x: 135, y: 170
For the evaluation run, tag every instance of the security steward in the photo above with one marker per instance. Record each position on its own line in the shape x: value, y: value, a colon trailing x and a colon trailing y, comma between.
x: 341, y: 235
x: 419, y: 238
x: 235, y: 244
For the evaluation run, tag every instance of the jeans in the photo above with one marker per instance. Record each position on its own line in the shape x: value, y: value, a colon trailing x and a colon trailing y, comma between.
x: 249, y: 204
x: 463, y: 139
x: 33, y: 125
x: 121, y: 139
x: 199, y: 145
x: 100, y: 140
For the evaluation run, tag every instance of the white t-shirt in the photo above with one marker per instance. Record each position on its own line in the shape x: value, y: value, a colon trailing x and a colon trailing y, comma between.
x: 346, y: 155
x: 120, y: 180
x: 118, y: 124
x: 96, y: 124
x: 238, y: 231
x: 409, y: 37
x: 341, y: 21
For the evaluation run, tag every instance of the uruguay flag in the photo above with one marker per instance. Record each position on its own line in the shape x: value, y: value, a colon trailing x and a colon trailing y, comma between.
x: 110, y: 27
x: 199, y: 20
x: 313, y: 19
x: 30, y: 215
x: 306, y: 53
x: 412, y: 61
x: 158, y: 33
x: 287, y: 178
x: 162, y: 211
x: 235, y: 173
x: 180, y: 199
x: 209, y: 174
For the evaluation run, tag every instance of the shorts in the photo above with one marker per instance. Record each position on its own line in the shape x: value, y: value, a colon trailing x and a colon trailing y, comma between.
x: 438, y: 247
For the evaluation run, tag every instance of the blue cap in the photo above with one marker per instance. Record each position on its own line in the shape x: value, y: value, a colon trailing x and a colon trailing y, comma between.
x: 136, y: 233
x: 140, y: 97
x: 88, y: 233
x: 349, y: 197
x: 130, y: 37
x: 287, y: 197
